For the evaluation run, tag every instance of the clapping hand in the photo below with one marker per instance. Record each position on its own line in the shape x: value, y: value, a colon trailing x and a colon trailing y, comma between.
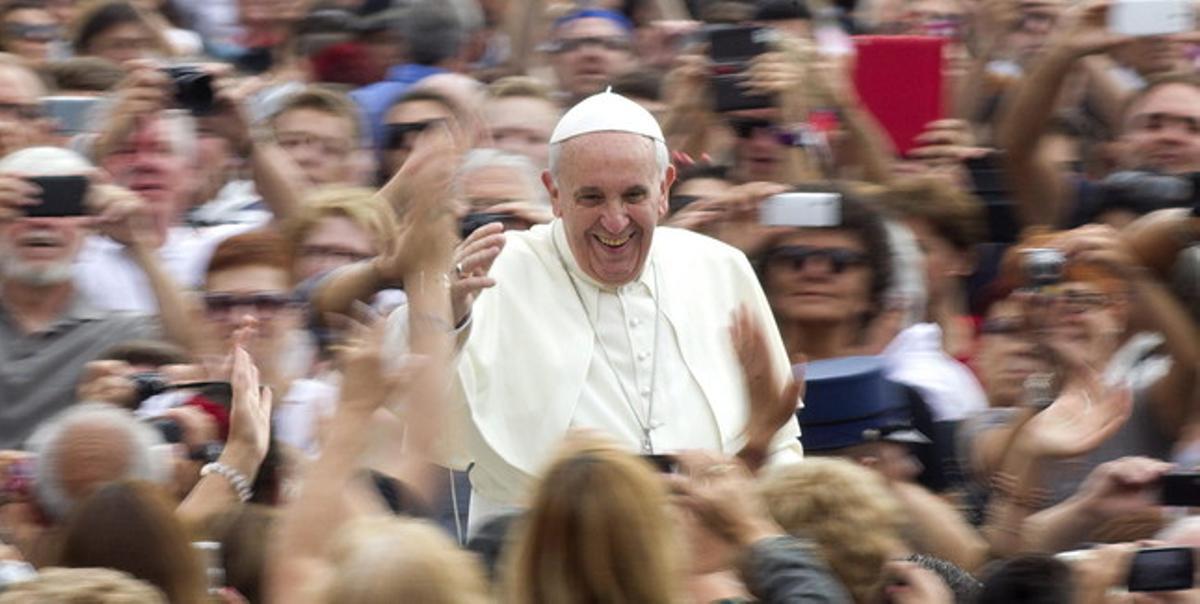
x: 1085, y: 414
x: 772, y: 402
x: 249, y: 417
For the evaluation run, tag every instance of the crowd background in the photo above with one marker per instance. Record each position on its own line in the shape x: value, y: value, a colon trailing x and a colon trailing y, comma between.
x: 199, y: 401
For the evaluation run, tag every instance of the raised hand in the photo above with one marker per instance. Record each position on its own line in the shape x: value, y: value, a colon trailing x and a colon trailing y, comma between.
x: 1084, y: 415
x: 473, y: 259
x: 1121, y: 487
x: 772, y: 403
x: 15, y: 194
x: 367, y: 380
x: 249, y: 417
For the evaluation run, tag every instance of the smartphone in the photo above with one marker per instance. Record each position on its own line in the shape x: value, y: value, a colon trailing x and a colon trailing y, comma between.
x: 1180, y: 489
x: 731, y: 47
x: 899, y: 79
x: 1162, y: 569
x: 666, y: 464
x: 729, y: 50
x: 802, y: 210
x: 71, y: 113
x: 1151, y: 17
x: 61, y: 196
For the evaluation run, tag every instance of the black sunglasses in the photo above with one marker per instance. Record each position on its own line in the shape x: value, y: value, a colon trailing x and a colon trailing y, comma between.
x: 400, y: 135
x: 262, y: 303
x: 796, y: 256
x: 34, y: 33
x: 745, y: 127
x: 572, y: 44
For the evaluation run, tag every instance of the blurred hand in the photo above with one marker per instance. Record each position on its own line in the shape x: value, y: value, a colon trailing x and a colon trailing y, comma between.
x: 733, y: 217
x: 1085, y: 414
x: 367, y: 381
x: 1123, y: 486
x: 107, y: 382
x: 249, y: 417
x: 686, y: 86
x: 144, y: 91
x: 721, y: 494
x: 123, y: 216
x: 198, y: 427
x: 909, y: 583
x: 233, y: 121
x: 1086, y: 31
x: 1102, y: 245
x: 1100, y: 569
x: 15, y: 194
x: 775, y: 73
x: 772, y: 404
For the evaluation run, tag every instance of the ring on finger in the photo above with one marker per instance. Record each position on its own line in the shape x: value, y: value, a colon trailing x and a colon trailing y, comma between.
x: 458, y: 270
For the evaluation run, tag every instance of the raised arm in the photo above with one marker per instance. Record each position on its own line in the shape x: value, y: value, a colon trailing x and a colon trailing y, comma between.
x: 1041, y: 190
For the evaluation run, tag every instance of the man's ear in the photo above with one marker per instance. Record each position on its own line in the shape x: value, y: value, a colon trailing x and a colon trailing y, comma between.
x: 552, y: 189
x: 665, y: 192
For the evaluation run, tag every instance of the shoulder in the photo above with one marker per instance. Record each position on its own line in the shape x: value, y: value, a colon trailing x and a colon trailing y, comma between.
x: 683, y: 247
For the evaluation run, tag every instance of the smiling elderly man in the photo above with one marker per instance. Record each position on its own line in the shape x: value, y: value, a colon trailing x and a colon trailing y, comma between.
x: 601, y: 320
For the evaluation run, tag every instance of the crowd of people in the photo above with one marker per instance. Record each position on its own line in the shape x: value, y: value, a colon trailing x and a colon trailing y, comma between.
x: 650, y: 301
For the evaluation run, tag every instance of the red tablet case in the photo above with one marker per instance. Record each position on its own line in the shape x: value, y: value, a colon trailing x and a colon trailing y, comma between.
x: 899, y: 79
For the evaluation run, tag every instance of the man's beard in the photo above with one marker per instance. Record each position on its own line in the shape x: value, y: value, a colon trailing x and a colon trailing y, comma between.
x: 12, y: 269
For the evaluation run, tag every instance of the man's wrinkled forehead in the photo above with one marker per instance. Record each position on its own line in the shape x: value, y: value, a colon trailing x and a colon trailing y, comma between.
x: 1175, y: 100
x: 578, y: 152
x: 589, y: 26
x: 19, y: 85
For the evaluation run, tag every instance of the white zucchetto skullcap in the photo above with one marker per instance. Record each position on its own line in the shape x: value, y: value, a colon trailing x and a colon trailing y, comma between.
x: 606, y: 112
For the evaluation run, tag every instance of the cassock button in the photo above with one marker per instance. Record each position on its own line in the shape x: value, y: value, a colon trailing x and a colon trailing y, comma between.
x: 643, y: 355
x: 646, y: 392
x: 635, y: 322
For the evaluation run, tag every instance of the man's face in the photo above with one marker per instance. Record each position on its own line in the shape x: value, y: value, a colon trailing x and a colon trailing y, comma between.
x: 28, y: 33
x: 258, y: 291
x: 522, y: 125
x: 1085, y: 318
x: 592, y: 52
x: 758, y: 154
x: 21, y: 121
x: 333, y: 242
x: 609, y: 193
x: 411, y: 115
x: 321, y: 143
x: 147, y: 164
x: 808, y: 277
x: 1162, y: 130
x: 1037, y: 20
x: 40, y: 251
x: 1007, y: 355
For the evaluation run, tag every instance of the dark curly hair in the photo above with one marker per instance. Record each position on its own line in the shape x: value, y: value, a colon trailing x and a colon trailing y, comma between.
x: 863, y: 219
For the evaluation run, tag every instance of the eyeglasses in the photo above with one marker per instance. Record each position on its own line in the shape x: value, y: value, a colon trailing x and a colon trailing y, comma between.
x: 263, y: 304
x: 31, y: 33
x: 744, y: 127
x: 401, y: 135
x: 328, y: 145
x: 565, y: 45
x: 22, y: 111
x: 328, y: 251
x: 796, y: 257
x: 1001, y: 326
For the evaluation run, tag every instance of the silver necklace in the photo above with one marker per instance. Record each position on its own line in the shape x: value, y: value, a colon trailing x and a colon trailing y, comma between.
x: 646, y: 426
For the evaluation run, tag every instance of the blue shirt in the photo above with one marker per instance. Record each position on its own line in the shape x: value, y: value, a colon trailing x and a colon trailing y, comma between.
x: 377, y: 98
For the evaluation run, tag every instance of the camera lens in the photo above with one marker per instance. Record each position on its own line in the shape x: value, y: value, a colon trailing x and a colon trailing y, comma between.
x: 193, y: 88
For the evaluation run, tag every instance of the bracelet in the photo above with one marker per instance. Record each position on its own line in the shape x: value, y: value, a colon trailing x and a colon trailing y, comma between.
x: 235, y: 478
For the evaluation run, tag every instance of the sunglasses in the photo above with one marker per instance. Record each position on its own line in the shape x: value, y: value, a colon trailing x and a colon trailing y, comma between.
x: 401, y: 135
x: 32, y: 33
x: 566, y: 45
x: 797, y: 256
x: 745, y: 127
x: 264, y: 304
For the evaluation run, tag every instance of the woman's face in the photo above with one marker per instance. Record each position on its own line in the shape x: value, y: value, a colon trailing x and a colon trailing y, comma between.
x: 1007, y: 355
x: 818, y: 276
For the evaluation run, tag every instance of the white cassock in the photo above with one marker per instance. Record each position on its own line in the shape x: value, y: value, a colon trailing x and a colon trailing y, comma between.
x: 551, y: 350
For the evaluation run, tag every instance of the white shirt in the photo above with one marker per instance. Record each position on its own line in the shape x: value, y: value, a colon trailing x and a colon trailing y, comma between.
x: 628, y: 362
x: 916, y: 358
x: 110, y: 278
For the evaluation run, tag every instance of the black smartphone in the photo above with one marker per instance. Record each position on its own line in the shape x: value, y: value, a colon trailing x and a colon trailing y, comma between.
x: 61, y: 196
x: 666, y: 464
x: 473, y: 221
x: 1162, y: 569
x: 1180, y: 489
x: 737, y: 45
x: 729, y: 95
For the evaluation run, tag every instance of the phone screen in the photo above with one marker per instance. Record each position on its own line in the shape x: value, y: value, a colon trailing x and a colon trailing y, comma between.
x: 1162, y: 569
x: 61, y: 196
x: 1180, y: 489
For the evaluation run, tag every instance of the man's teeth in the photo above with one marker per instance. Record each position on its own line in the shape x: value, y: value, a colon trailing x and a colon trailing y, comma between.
x: 618, y: 242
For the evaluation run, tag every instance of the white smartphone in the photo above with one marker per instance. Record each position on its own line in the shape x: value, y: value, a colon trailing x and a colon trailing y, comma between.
x: 1151, y: 17
x: 71, y: 114
x: 802, y: 210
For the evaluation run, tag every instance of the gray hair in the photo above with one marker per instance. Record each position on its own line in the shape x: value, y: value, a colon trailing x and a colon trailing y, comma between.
x: 47, y: 442
x: 434, y: 31
x: 479, y: 159
x: 662, y: 158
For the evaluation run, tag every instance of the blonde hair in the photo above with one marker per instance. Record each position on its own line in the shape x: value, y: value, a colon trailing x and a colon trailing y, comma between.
x: 520, y: 86
x: 846, y: 510
x: 383, y: 560
x: 599, y: 530
x: 93, y: 585
x: 358, y: 204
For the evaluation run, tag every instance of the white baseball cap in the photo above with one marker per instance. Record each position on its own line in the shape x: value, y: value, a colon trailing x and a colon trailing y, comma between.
x: 606, y: 112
